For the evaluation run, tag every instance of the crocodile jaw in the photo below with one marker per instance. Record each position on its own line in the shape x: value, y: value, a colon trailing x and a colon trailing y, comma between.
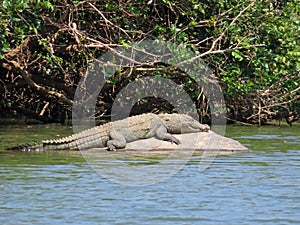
x: 193, y: 126
x: 180, y: 123
x: 196, y: 126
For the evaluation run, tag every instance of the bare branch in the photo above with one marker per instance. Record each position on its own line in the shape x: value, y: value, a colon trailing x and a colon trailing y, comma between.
x: 219, y: 38
x: 108, y: 21
x: 35, y: 86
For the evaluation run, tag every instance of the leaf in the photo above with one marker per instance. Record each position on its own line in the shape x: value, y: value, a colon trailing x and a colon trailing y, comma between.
x: 193, y: 23
x: 237, y: 55
x: 123, y: 42
x: 47, y: 5
x: 201, y: 9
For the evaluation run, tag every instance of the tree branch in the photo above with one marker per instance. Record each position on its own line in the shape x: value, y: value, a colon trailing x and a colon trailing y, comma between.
x: 35, y: 86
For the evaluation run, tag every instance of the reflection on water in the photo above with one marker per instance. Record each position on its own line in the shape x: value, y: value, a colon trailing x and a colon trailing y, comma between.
x: 261, y: 187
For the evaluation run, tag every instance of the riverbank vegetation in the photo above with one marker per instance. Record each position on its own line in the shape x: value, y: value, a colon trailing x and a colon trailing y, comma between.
x: 252, y: 47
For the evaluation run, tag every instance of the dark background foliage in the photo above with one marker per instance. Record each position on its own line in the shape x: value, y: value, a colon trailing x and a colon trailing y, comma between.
x: 252, y: 46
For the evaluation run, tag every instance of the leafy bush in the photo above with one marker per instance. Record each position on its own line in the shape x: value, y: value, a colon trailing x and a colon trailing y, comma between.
x: 252, y: 46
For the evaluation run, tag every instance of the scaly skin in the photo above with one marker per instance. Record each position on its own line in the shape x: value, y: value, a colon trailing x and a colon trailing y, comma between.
x: 115, y: 135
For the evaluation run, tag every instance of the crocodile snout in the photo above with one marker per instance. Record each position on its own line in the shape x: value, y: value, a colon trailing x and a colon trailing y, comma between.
x: 196, y: 127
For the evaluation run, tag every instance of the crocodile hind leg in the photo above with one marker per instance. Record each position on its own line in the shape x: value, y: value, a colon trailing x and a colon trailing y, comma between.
x: 117, y: 140
x: 162, y: 134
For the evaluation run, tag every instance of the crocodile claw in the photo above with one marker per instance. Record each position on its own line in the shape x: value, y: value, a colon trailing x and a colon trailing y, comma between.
x: 111, y: 148
x: 174, y: 140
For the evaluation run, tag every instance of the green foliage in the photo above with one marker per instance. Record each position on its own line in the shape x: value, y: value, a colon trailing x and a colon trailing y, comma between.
x: 272, y: 25
x: 258, y: 41
x: 19, y: 19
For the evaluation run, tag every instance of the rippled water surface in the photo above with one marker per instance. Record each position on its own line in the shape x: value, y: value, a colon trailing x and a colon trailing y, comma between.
x: 261, y: 187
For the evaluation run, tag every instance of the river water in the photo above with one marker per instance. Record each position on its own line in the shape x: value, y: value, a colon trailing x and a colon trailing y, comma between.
x: 260, y: 187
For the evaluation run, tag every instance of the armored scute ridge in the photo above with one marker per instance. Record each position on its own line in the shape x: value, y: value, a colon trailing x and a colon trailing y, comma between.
x: 115, y: 135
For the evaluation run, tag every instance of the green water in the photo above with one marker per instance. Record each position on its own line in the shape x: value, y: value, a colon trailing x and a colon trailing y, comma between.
x: 261, y: 187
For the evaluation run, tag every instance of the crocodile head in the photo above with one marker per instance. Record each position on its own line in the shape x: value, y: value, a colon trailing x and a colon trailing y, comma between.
x: 181, y: 123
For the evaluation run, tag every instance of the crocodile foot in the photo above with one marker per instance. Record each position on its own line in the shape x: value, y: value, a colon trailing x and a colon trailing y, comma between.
x: 174, y: 140
x: 111, y: 148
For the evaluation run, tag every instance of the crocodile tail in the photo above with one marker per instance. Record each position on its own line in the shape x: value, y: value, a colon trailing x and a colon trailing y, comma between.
x: 66, y: 143
x: 34, y: 146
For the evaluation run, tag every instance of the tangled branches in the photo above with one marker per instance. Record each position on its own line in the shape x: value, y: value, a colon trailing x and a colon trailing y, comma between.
x: 49, y: 46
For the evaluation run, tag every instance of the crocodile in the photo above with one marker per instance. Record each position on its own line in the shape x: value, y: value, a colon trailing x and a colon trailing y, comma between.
x: 114, y: 135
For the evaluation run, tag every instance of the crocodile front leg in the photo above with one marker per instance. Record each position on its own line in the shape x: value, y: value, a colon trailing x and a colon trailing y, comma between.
x: 162, y: 134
